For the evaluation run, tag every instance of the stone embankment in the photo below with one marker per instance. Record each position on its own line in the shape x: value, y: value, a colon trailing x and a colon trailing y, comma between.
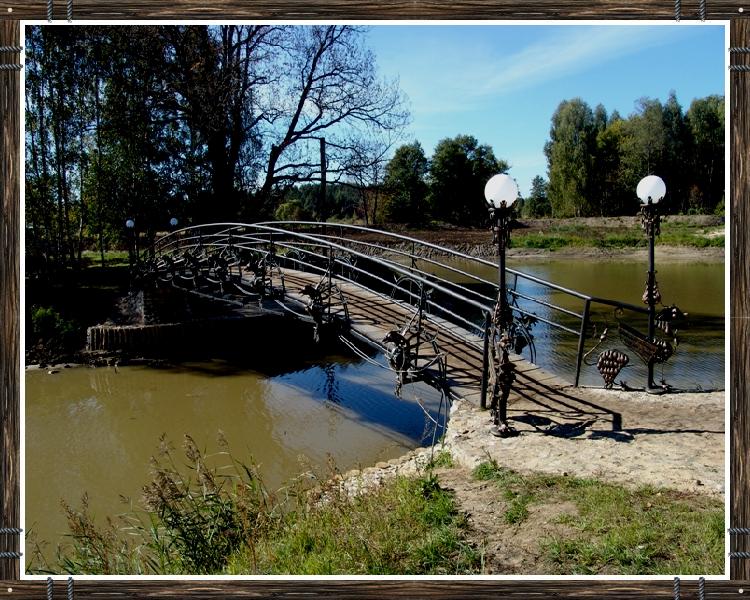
x: 674, y: 441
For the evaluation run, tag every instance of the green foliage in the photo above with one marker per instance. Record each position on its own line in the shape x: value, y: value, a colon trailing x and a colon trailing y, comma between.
x: 202, y: 123
x: 51, y: 336
x: 595, y: 163
x: 202, y: 522
x: 292, y: 210
x: 570, y: 152
x: 459, y: 170
x: 616, y: 530
x: 537, y: 204
x: 405, y: 184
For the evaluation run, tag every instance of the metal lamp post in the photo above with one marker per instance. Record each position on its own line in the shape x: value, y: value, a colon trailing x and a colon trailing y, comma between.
x: 130, y: 225
x: 651, y: 190
x: 501, y: 193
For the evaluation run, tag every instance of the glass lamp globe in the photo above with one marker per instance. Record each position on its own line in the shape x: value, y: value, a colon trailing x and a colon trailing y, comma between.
x: 173, y: 222
x: 651, y: 189
x: 130, y: 223
x: 501, y: 188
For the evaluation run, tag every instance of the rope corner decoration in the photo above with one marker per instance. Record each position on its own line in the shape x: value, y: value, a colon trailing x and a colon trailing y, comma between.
x: 51, y: 588
x: 741, y: 69
x: 10, y: 531
x: 677, y: 10
x: 51, y: 10
x: 676, y: 589
x: 740, y: 530
x: 10, y: 67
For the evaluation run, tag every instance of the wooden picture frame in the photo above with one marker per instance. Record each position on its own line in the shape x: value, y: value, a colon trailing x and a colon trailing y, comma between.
x: 738, y: 386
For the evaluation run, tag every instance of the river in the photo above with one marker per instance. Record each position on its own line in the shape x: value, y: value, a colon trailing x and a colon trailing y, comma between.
x: 94, y: 430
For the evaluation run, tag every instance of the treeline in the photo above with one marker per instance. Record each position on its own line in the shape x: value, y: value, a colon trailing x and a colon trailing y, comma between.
x: 411, y: 188
x: 203, y: 124
x: 237, y: 122
x: 595, y: 161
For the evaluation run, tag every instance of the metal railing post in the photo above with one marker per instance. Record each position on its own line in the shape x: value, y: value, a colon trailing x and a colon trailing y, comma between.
x: 485, y: 361
x: 582, y: 339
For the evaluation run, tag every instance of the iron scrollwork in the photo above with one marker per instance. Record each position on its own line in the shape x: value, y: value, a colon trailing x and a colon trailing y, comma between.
x: 413, y: 351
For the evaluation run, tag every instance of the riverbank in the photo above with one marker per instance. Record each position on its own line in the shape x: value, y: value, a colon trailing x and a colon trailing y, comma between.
x: 647, y: 499
x: 670, y: 446
x: 682, y: 238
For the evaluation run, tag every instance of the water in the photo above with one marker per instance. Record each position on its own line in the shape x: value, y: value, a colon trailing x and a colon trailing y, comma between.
x: 94, y: 430
x: 697, y: 288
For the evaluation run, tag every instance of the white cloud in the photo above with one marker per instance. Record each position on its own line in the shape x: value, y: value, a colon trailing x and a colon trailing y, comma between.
x: 567, y: 52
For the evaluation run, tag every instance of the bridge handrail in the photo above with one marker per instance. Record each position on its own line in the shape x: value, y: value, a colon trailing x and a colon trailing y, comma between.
x: 394, y: 266
x: 245, y: 235
x: 416, y: 241
x: 459, y: 254
x: 410, y: 273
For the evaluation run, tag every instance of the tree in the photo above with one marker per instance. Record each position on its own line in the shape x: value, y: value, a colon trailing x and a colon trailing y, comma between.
x: 458, y: 172
x: 643, y: 145
x: 537, y: 204
x: 330, y: 89
x: 676, y: 170
x: 405, y: 184
x: 706, y: 121
x: 570, y: 152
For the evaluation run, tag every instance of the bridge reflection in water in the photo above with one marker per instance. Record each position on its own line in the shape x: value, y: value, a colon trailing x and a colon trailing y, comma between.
x: 391, y: 292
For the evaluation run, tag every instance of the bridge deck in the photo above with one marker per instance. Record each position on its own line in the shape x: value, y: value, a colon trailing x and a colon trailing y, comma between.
x: 535, y: 392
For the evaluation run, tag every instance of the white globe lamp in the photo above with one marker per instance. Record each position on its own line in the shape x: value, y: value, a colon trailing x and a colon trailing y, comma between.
x: 501, y: 189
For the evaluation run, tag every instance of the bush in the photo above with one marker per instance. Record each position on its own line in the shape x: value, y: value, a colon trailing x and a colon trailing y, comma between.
x: 51, y: 334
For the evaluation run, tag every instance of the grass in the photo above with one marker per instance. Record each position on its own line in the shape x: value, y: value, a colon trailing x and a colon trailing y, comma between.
x: 616, y: 530
x: 565, y: 235
x: 409, y: 526
x: 197, y: 521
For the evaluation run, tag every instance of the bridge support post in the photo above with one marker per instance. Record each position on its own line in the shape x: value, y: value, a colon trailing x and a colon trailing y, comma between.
x: 582, y: 339
x: 485, y: 360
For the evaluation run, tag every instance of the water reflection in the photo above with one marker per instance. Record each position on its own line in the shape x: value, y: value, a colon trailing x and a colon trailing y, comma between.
x: 696, y: 287
x: 94, y: 430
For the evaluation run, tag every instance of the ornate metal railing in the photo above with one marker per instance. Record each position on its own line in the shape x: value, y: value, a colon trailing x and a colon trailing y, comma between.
x: 249, y: 261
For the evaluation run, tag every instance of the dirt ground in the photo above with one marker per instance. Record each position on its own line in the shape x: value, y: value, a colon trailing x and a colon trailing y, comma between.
x: 674, y: 441
x: 478, y: 241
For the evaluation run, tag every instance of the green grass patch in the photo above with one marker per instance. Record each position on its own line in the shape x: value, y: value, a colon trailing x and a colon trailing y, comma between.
x: 546, y: 241
x: 203, y: 520
x: 407, y: 526
x: 566, y: 235
x: 617, y: 530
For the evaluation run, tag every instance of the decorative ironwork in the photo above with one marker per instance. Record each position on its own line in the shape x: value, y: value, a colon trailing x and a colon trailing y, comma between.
x: 668, y: 318
x: 502, y: 375
x: 412, y: 351
x: 654, y: 352
x: 650, y: 220
x: 651, y: 294
x: 609, y: 364
x: 327, y: 307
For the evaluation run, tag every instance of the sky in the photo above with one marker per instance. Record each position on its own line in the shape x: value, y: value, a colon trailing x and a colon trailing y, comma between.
x: 502, y: 83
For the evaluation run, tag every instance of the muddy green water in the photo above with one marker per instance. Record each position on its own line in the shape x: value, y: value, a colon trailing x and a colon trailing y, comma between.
x: 94, y: 430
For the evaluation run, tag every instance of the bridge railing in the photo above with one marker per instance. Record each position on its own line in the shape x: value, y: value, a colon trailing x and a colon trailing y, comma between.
x: 464, y: 287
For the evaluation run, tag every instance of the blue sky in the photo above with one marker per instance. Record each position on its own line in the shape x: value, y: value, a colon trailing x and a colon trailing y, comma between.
x: 502, y: 83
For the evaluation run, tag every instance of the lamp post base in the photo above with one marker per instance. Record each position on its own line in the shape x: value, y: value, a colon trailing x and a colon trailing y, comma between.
x: 503, y: 430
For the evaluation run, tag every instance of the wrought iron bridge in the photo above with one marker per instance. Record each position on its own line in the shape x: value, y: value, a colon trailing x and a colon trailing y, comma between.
x: 427, y: 307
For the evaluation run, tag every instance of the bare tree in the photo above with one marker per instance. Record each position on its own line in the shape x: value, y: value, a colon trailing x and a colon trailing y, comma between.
x: 328, y: 88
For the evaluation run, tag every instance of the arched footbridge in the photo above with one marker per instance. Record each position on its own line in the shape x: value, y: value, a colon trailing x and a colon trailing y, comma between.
x: 432, y: 310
